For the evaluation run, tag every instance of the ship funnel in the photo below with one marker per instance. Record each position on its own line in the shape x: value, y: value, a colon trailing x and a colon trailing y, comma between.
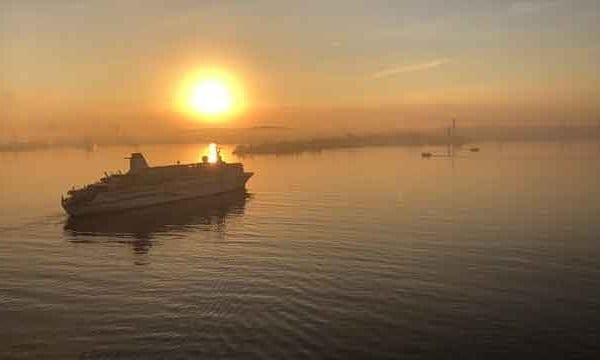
x: 137, y: 162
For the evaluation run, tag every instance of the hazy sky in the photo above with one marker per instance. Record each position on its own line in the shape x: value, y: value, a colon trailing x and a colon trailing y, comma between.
x: 123, y: 59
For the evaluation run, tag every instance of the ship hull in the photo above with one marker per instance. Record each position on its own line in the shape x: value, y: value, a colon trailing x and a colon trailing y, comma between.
x: 117, y: 202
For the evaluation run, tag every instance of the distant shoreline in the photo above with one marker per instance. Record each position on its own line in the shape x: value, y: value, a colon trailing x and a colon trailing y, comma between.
x: 280, y: 140
x: 440, y: 137
x: 348, y: 142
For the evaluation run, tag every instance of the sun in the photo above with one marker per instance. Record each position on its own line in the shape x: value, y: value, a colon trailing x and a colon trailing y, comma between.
x: 211, y: 97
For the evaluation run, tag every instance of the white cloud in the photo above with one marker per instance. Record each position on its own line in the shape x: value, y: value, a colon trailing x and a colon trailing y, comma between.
x: 530, y: 7
x: 410, y: 68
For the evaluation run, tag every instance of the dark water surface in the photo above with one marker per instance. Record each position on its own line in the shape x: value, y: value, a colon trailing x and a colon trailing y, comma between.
x: 363, y: 253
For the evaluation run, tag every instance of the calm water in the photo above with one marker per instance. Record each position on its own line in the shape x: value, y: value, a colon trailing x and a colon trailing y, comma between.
x: 371, y: 253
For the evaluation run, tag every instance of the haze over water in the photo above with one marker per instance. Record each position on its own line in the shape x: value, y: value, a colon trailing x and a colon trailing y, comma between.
x: 373, y: 253
x: 357, y: 236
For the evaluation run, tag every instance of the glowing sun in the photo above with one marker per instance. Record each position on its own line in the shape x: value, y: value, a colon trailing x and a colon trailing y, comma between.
x: 211, y: 97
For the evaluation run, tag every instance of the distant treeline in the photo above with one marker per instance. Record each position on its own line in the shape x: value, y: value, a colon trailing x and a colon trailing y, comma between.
x: 532, y: 133
x: 350, y: 141
x: 461, y: 136
x: 44, y: 145
x: 202, y: 136
x: 282, y: 140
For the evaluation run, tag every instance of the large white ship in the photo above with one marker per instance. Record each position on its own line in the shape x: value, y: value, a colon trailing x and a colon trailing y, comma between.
x: 144, y: 186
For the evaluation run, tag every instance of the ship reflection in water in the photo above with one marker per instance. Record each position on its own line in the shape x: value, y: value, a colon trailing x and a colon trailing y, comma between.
x: 138, y: 227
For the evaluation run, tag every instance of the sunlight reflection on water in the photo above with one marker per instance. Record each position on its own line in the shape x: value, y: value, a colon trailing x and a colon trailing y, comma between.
x: 372, y: 253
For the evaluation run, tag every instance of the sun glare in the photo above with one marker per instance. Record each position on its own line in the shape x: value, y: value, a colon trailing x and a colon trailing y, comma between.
x: 212, y: 153
x: 210, y: 96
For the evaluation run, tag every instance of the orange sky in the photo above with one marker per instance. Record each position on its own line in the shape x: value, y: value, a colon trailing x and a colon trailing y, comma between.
x: 352, y: 64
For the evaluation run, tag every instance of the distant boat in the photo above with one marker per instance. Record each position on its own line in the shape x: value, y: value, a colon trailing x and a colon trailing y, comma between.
x: 426, y: 154
x: 144, y: 186
x: 474, y: 149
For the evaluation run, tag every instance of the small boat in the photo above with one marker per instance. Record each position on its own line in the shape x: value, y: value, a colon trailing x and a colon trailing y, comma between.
x: 426, y: 154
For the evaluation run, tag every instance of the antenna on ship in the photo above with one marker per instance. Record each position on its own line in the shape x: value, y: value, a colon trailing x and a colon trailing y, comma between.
x: 219, y: 158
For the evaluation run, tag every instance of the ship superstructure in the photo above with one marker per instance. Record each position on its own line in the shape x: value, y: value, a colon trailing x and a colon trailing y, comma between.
x: 144, y: 185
